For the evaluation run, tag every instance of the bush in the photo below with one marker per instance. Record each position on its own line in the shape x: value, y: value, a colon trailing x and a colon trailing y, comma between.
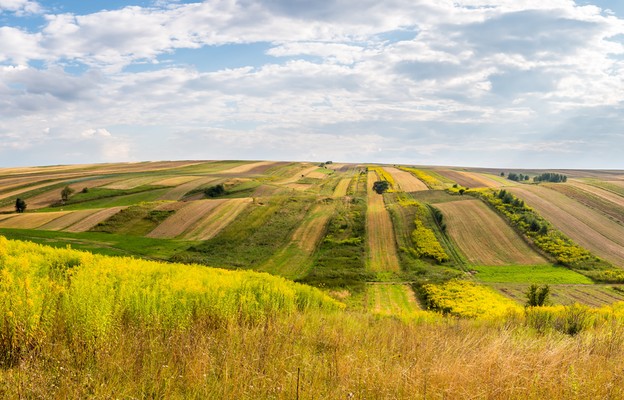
x: 215, y: 191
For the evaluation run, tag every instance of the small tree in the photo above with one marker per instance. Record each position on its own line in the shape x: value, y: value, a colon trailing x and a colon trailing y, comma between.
x: 215, y: 191
x: 537, y: 296
x: 66, y: 192
x: 20, y: 205
x: 381, y: 186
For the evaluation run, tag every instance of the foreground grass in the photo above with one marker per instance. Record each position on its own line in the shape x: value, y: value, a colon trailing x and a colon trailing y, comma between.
x: 75, y: 325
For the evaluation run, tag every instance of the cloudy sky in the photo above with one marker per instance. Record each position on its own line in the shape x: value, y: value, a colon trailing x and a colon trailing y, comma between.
x: 506, y: 83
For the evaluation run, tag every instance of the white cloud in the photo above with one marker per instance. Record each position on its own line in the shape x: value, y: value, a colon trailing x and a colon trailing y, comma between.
x: 20, y: 6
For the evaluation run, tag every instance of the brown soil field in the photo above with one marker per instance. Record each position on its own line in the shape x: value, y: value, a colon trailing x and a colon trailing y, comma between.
x: 484, y: 237
x: 382, y: 252
x: 605, y: 202
x: 605, y: 194
x: 247, y: 168
x: 342, y: 187
x: 30, y: 220
x: 179, y: 191
x: 217, y: 219
x: 68, y: 219
x: 587, y: 227
x: 469, y: 179
x: 406, y: 181
x: 93, y: 219
x: 184, y: 219
x: 591, y: 295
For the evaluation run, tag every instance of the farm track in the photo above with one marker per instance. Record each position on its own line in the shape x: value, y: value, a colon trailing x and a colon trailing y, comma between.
x: 382, y: 252
x: 585, y: 226
x: 217, y: 219
x: 184, y: 219
x: 484, y: 237
x: 406, y: 181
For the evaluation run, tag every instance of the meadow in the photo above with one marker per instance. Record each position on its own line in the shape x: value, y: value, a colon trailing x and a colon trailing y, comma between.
x: 445, y: 253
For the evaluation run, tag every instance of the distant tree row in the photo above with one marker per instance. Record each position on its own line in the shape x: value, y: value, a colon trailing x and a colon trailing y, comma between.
x: 550, y: 177
x: 512, y: 176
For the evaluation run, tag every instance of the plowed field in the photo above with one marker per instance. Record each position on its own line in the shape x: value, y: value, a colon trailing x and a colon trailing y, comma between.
x: 469, y: 179
x: 184, y: 219
x: 587, y: 227
x: 484, y: 237
x: 217, y: 219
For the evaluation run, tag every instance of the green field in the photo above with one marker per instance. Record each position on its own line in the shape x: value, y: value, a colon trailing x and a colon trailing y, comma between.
x: 540, y: 274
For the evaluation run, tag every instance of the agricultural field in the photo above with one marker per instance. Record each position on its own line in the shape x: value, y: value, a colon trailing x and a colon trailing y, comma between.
x: 407, y: 182
x: 470, y: 179
x: 382, y: 254
x: 588, y: 227
x: 484, y: 237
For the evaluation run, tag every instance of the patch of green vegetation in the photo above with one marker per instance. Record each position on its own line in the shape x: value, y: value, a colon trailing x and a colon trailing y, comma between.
x: 435, y: 196
x: 116, y: 201
x: 539, y: 274
x: 242, y: 189
x: 134, y: 220
x: 309, y: 181
x: 340, y: 260
x: 254, y: 236
x: 103, y: 243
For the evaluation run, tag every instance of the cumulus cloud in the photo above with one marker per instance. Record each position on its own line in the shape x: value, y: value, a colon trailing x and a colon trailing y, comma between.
x: 20, y: 7
x: 410, y: 77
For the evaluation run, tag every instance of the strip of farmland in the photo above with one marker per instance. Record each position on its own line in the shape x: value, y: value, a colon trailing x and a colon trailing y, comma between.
x: 586, y: 227
x: 391, y: 299
x: 591, y: 295
x: 93, y: 219
x: 382, y: 255
x: 469, y: 179
x: 184, y: 219
x: 179, y: 191
x: 30, y: 220
x: 68, y: 219
x: 217, y: 219
x: 406, y: 181
x: 484, y: 237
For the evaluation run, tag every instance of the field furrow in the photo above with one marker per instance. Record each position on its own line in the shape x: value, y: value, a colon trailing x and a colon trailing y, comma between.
x: 585, y: 226
x: 484, y: 237
x: 93, y: 219
x: 406, y: 181
x: 382, y: 252
x: 184, y: 219
x: 217, y: 219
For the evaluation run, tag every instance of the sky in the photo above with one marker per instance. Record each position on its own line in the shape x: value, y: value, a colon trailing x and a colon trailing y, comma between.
x: 481, y: 83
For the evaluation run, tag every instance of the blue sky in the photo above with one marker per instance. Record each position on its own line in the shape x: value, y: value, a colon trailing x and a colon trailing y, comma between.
x: 504, y: 83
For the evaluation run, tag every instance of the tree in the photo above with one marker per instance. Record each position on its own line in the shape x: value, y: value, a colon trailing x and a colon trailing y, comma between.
x: 215, y: 191
x: 66, y: 192
x: 20, y: 205
x: 537, y: 296
x: 381, y: 186
x: 502, y: 174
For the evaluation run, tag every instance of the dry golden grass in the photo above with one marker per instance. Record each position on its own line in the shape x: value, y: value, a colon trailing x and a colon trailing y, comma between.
x: 587, y: 227
x: 184, y: 219
x: 220, y: 217
x: 406, y: 181
x: 342, y: 187
x: 93, y: 219
x: 30, y: 220
x: 381, y: 250
x: 176, y: 180
x: 484, y: 237
x: 68, y: 219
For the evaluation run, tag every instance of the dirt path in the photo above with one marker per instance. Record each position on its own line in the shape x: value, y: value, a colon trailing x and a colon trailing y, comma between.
x: 586, y: 227
x: 484, y: 237
x: 381, y: 254
x: 406, y: 181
